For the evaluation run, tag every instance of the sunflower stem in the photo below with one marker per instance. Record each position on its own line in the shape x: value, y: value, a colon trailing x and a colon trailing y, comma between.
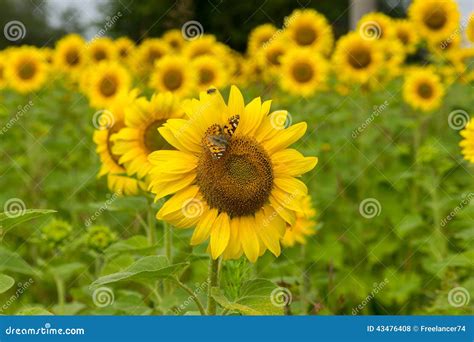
x: 61, y: 293
x: 213, y: 281
x: 151, y: 230
x: 193, y: 296
x: 168, y: 241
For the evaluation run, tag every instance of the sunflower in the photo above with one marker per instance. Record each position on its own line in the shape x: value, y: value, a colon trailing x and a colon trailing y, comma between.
x: 440, y: 49
x: 210, y: 72
x: 461, y: 60
x: 435, y: 20
x: 101, y: 49
x: 260, y: 36
x: 204, y: 45
x: 26, y: 70
x: 423, y: 89
x: 140, y: 137
x: 357, y: 59
x: 303, y: 226
x: 376, y: 26
x: 149, y: 52
x: 232, y: 174
x: 467, y: 144
x: 3, y: 81
x: 303, y: 72
x: 470, y: 28
x: 173, y: 74
x: 395, y: 55
x: 124, y: 48
x: 270, y: 55
x: 106, y: 82
x: 108, y: 123
x: 175, y: 39
x: 308, y: 28
x: 69, y: 55
x: 406, y: 34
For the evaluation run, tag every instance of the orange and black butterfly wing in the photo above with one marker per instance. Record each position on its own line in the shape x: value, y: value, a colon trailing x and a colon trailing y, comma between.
x: 231, y: 126
x: 215, y: 141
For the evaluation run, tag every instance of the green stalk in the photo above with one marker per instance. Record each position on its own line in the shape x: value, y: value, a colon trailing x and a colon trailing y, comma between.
x: 305, y: 284
x: 151, y: 230
x: 61, y: 293
x: 193, y: 296
x: 168, y: 237
x: 213, y: 281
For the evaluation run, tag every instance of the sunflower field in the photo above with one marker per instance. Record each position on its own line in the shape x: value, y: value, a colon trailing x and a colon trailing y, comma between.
x: 310, y: 175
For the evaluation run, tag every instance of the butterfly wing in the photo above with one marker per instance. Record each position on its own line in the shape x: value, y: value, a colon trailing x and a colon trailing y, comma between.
x: 231, y: 126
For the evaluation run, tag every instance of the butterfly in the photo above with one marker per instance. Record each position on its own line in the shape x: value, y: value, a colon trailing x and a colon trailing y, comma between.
x: 217, y: 138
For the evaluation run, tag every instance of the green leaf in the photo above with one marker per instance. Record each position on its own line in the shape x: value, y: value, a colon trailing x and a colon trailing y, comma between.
x: 6, y: 282
x: 135, y: 244
x: 257, y: 297
x: 8, y: 221
x: 408, y: 224
x: 150, y: 268
x: 65, y: 271
x: 35, y: 311
x: 11, y: 261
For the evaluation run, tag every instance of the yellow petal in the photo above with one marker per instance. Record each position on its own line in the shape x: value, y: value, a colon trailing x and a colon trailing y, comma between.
x: 291, y: 186
x: 236, y: 101
x: 291, y: 162
x: 268, y: 232
x: 249, y: 238
x: 220, y: 235
x: 165, y: 188
x: 203, y: 228
x: 285, y: 137
x: 178, y: 201
x: 251, y: 118
x: 173, y: 161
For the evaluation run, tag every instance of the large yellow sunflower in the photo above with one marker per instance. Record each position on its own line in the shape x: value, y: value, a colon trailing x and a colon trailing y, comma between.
x: 210, y: 71
x: 69, y: 55
x: 260, y: 36
x: 140, y: 137
x: 270, y: 55
x: 174, y: 74
x: 101, y: 49
x: 467, y: 144
x: 308, y: 28
x: 423, y: 89
x: 106, y: 82
x: 108, y: 122
x: 357, y: 59
x: 304, y: 225
x: 406, y: 34
x: 303, y: 72
x: 233, y: 175
x: 435, y: 19
x: 376, y: 26
x: 26, y: 70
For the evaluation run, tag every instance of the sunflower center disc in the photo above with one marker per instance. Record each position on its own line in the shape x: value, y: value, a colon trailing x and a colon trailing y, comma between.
x: 152, y: 138
x: 173, y: 79
x: 72, y: 57
x: 206, y: 76
x: 100, y: 55
x: 305, y: 35
x: 359, y: 58
x: 240, y: 182
x: 302, y: 72
x: 435, y: 19
x: 27, y: 71
x: 108, y: 86
x: 425, y: 91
